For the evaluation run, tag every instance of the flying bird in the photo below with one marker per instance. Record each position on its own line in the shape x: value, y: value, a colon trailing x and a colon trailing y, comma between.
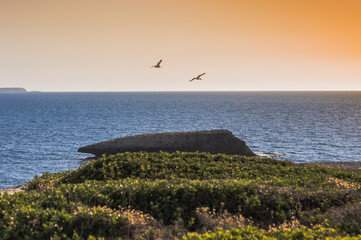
x: 157, y: 65
x: 198, y: 77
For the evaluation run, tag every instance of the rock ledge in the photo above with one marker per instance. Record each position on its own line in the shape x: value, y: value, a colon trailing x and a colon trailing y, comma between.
x: 212, y: 141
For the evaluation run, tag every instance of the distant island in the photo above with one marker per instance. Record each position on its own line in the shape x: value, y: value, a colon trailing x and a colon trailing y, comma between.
x: 13, y: 90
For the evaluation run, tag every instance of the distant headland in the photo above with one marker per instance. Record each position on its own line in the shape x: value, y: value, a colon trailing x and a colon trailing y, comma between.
x: 13, y: 90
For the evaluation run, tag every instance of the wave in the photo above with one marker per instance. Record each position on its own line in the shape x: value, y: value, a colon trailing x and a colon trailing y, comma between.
x: 270, y: 155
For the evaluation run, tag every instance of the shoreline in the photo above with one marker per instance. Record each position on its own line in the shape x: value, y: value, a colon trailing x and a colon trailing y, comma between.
x: 352, y: 166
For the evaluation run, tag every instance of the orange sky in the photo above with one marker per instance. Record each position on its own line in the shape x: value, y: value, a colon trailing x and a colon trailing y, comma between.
x: 109, y: 45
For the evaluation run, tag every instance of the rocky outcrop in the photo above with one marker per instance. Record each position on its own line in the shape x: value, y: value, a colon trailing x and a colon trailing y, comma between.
x: 213, y: 141
x: 12, y: 90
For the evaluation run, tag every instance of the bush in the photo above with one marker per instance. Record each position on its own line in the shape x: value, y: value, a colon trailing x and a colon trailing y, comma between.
x: 317, y: 232
x: 256, y: 195
x: 177, y: 200
x: 31, y: 218
x: 200, y: 166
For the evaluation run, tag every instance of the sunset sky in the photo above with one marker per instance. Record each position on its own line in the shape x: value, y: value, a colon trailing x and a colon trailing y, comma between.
x: 242, y: 45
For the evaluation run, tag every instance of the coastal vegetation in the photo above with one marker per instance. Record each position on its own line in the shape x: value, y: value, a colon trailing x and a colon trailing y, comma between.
x: 186, y: 196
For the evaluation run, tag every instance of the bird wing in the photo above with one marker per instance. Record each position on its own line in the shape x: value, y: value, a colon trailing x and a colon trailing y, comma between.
x: 192, y: 79
x: 159, y: 62
x: 200, y: 75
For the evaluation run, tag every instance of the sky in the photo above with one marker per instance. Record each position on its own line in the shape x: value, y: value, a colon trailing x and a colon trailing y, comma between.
x: 241, y: 45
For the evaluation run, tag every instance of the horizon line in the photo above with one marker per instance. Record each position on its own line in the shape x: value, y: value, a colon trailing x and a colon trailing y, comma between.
x: 343, y: 90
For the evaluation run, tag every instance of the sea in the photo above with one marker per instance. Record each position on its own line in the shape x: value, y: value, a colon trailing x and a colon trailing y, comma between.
x: 41, y: 132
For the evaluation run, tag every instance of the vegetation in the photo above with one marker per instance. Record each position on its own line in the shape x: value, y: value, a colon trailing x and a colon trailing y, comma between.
x: 186, y: 196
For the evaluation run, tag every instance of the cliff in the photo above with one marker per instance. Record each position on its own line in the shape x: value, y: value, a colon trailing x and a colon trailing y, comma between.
x: 12, y: 90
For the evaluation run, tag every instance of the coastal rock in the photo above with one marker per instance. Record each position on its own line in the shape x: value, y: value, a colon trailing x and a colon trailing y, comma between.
x: 212, y: 141
x: 12, y: 90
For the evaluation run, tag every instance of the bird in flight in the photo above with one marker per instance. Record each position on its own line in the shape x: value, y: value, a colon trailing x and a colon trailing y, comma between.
x: 198, y: 77
x: 157, y: 65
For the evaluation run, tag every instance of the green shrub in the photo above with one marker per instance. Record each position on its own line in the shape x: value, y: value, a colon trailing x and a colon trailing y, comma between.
x: 89, y: 202
x: 299, y: 233
x: 200, y: 166
x: 346, y: 218
x: 177, y: 200
x: 44, y: 216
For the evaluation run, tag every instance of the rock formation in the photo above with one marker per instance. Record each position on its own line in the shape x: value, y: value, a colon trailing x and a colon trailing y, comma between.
x: 213, y: 141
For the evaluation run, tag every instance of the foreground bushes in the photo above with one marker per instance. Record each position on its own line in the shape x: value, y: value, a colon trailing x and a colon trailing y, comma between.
x: 249, y: 232
x: 177, y: 200
x: 31, y: 219
x: 201, y: 166
x: 167, y: 195
x: 53, y: 215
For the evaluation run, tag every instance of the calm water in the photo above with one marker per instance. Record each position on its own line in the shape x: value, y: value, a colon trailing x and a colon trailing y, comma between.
x: 42, y: 131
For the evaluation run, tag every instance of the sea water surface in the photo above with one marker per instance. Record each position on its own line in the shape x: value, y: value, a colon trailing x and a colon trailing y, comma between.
x: 41, y: 132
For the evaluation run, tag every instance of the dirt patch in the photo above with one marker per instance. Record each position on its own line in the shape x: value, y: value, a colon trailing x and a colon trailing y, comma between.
x: 12, y: 190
